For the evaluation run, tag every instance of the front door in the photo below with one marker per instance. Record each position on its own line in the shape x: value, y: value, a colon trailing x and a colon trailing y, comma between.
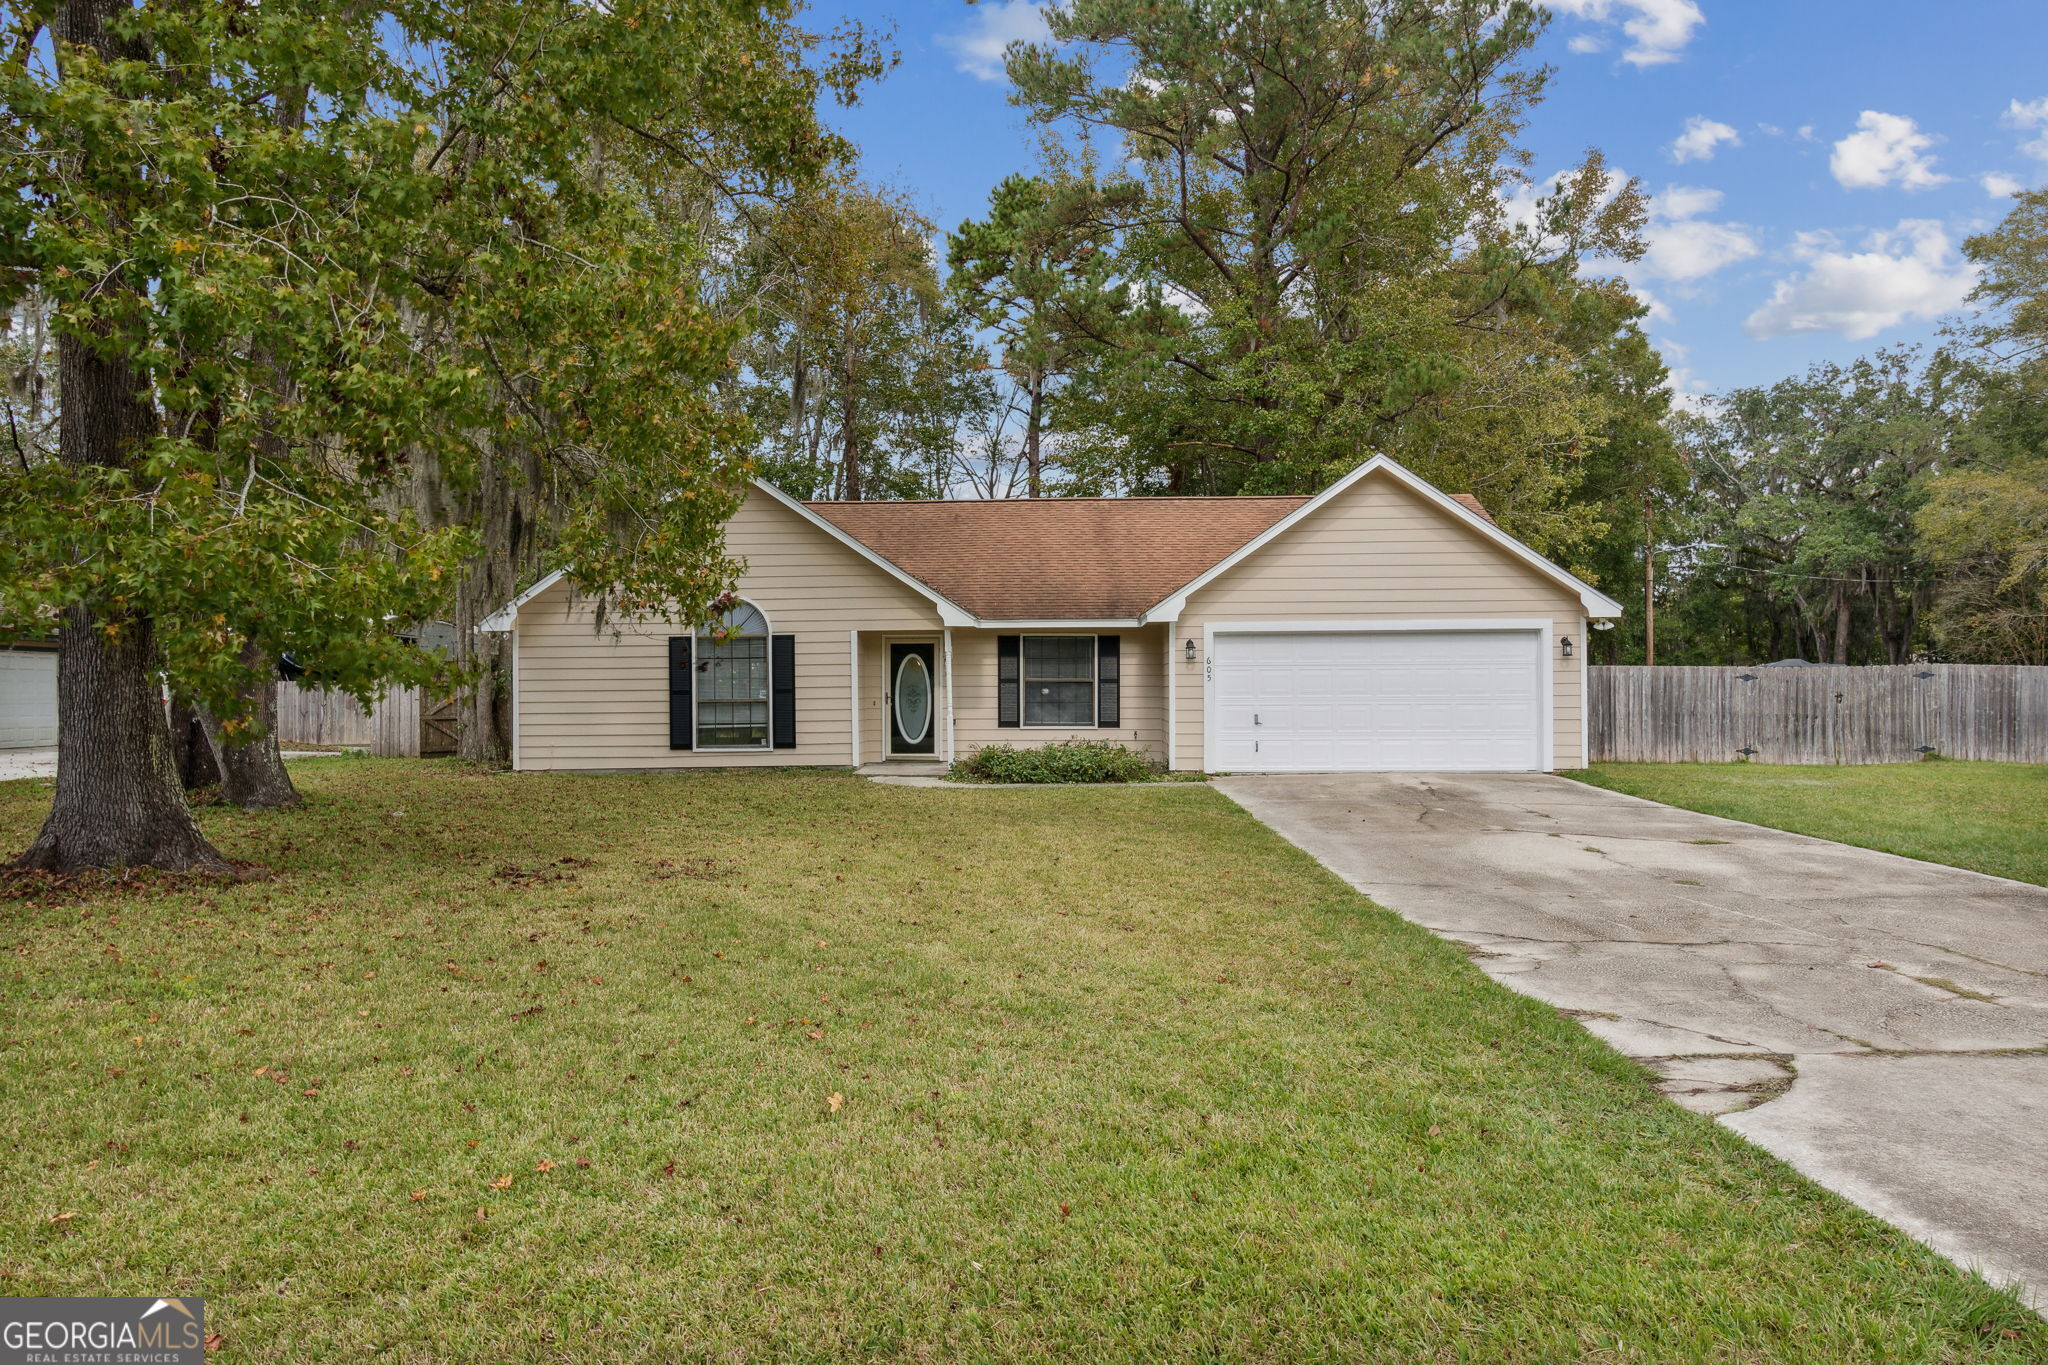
x: 912, y: 699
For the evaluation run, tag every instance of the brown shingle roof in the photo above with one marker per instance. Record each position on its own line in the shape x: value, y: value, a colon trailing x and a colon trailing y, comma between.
x: 1028, y: 559
x: 1473, y: 503
x: 1033, y: 559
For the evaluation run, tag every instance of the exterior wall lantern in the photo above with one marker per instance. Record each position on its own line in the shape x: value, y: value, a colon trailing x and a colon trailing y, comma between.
x: 1188, y: 651
x: 1565, y: 641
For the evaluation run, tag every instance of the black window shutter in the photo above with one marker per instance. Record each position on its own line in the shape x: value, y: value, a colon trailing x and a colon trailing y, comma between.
x: 1108, y: 681
x: 682, y: 713
x: 1009, y: 679
x: 782, y: 691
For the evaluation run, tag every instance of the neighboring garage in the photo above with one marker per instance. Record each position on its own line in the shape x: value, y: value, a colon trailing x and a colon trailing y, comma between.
x: 28, y: 698
x: 1389, y: 697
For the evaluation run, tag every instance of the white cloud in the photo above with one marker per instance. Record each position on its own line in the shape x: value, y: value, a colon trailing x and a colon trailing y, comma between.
x: 1886, y: 149
x: 997, y: 23
x: 1700, y: 138
x: 1685, y: 201
x: 1999, y: 185
x: 1681, y: 247
x: 1659, y: 311
x: 1689, y: 393
x: 1906, y: 273
x: 2030, y: 114
x: 1588, y: 42
x: 1657, y: 30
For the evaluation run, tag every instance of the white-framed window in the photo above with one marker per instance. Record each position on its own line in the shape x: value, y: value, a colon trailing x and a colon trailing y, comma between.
x: 732, y: 680
x: 1057, y: 679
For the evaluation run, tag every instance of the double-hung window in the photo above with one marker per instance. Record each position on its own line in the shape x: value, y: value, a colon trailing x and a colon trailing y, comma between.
x: 1058, y: 680
x: 732, y: 681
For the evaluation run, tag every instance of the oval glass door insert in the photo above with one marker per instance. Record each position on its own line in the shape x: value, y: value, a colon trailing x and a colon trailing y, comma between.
x: 913, y: 698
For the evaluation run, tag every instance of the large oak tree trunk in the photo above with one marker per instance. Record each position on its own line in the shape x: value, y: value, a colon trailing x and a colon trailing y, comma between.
x: 252, y: 772
x: 119, y: 802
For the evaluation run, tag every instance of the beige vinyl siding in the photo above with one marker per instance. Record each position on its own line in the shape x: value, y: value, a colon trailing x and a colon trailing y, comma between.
x: 1142, y: 703
x: 1380, y: 552
x: 598, y: 699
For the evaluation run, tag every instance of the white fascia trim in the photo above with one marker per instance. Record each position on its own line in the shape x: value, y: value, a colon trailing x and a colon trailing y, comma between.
x: 1076, y: 624
x: 1382, y: 623
x: 503, y: 617
x: 950, y: 614
x: 1597, y: 604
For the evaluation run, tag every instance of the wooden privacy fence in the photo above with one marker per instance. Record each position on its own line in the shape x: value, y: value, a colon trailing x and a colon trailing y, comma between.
x: 1889, y: 714
x: 396, y: 727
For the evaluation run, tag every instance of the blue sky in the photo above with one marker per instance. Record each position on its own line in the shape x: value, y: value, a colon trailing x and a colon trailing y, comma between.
x: 1815, y: 164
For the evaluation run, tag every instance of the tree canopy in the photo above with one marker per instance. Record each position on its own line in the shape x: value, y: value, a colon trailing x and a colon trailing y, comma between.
x: 294, y: 255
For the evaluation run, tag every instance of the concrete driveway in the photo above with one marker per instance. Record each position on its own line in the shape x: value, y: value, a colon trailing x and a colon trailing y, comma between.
x: 1905, y: 1003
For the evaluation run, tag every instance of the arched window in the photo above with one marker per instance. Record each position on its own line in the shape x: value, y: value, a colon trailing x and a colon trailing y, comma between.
x: 732, y: 680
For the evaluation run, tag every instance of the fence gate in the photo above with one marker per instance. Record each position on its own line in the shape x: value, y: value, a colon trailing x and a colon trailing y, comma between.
x: 437, y: 727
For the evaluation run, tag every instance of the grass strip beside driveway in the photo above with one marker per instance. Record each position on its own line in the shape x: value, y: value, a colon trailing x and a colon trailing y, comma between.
x: 1992, y: 817
x: 794, y: 1066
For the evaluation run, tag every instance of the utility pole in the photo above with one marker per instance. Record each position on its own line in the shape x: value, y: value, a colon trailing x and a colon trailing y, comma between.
x: 1649, y: 580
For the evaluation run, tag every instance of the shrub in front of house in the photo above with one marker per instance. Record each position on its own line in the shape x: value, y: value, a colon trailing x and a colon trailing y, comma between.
x: 1074, y: 760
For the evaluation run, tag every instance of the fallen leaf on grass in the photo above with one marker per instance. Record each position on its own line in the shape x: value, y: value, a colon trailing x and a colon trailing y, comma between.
x: 835, y: 1101
x: 544, y: 1165
x: 62, y: 1217
x: 418, y: 1195
x: 214, y: 1341
x: 503, y: 1182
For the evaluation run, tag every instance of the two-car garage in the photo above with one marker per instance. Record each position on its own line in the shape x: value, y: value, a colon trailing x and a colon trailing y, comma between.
x: 1379, y: 697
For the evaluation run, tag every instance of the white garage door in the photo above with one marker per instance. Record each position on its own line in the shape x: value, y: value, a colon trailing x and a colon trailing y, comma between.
x: 28, y: 699
x: 1390, y: 701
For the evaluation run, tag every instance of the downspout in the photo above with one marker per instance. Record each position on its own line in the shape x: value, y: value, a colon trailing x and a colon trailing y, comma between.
x: 1172, y: 703
x: 852, y: 691
x: 948, y: 678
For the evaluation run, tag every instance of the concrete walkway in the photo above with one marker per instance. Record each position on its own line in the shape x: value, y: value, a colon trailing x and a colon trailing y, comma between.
x: 1905, y: 1003
x: 20, y: 763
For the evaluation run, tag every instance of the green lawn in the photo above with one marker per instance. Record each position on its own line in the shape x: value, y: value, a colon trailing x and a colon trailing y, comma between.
x: 1989, y: 816
x: 787, y: 1067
